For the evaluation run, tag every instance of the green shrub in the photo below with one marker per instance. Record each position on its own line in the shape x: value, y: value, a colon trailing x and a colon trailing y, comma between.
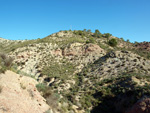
x: 128, y: 41
x: 112, y: 42
x: 89, y: 31
x: 91, y: 40
x: 122, y: 38
x: 8, y: 62
x: 97, y: 33
x: 57, y: 70
x: 107, y: 35
x: 41, y: 87
x: 3, y: 56
x: 66, y: 31
x: 79, y: 32
x: 47, y: 93
x: 3, y: 69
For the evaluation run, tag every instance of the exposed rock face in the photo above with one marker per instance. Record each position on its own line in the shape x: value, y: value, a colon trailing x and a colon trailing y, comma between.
x: 114, y: 64
x: 82, y: 54
x: 142, y: 106
x: 78, y: 49
x: 143, y: 46
x: 19, y: 95
x: 31, y: 59
x: 118, y: 62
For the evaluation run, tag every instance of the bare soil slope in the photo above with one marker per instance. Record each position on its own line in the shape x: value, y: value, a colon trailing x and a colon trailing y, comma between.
x: 19, y: 95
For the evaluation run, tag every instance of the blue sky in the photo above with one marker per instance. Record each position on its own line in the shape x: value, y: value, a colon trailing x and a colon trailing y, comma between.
x: 32, y: 19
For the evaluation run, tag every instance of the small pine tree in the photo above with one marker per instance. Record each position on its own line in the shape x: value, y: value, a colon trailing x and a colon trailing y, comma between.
x: 112, y: 42
x: 89, y: 31
x: 107, y: 35
x: 97, y: 33
x: 128, y: 40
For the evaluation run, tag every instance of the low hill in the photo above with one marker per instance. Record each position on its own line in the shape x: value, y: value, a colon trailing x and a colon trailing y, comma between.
x: 83, y: 70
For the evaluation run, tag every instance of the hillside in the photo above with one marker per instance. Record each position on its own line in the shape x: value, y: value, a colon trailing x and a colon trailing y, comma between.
x: 19, y: 95
x: 83, y: 71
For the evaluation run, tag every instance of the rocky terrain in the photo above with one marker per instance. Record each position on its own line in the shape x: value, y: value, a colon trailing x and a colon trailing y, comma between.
x: 81, y: 71
x: 19, y: 95
x: 143, y: 46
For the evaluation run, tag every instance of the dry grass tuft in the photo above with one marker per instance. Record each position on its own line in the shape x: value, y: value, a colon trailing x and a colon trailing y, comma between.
x: 1, y: 89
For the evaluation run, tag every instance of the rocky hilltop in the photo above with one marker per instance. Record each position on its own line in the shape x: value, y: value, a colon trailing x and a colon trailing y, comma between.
x: 81, y: 71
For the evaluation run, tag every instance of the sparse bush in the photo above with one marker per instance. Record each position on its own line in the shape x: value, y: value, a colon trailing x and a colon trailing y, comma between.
x: 3, y: 56
x: 57, y: 70
x: 84, y: 30
x: 135, y: 42
x: 103, y: 46
x: 47, y: 93
x: 107, y: 35
x: 112, y: 42
x: 3, y: 69
x: 5, y: 62
x: 128, y: 41
x: 41, y: 87
x: 89, y: 31
x: 79, y: 32
x: 122, y: 38
x: 8, y: 62
x: 148, y: 56
x: 97, y: 33
x: 91, y: 40
x: 66, y: 31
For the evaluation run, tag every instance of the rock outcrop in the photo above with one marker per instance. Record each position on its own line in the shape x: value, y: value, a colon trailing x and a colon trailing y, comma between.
x: 114, y: 63
x: 33, y: 58
x: 145, y: 46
